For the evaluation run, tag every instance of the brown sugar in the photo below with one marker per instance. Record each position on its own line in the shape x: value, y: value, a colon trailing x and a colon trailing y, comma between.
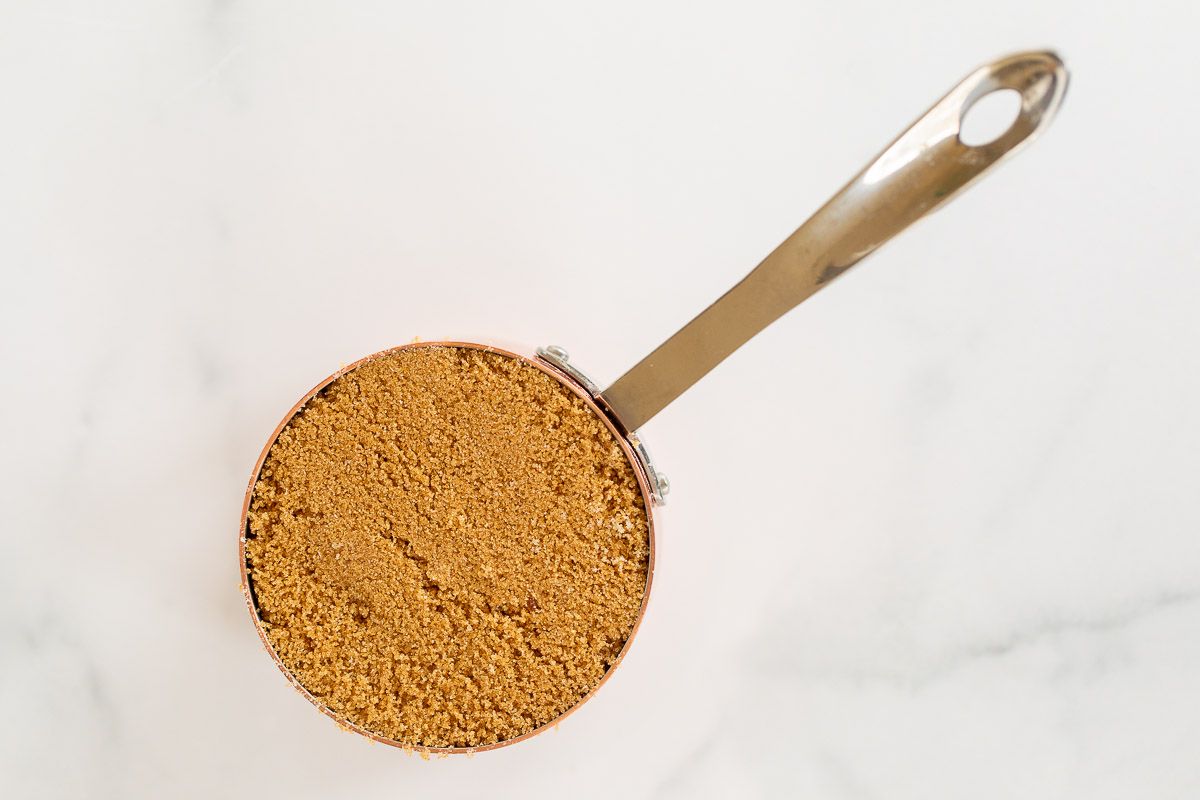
x: 447, y: 547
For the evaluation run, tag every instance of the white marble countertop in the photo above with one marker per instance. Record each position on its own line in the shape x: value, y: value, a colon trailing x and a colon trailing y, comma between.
x: 935, y: 534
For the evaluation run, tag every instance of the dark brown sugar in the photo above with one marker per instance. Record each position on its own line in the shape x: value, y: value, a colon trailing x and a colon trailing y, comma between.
x: 447, y: 547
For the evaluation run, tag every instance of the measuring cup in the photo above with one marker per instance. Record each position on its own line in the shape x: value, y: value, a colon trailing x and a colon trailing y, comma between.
x: 921, y: 170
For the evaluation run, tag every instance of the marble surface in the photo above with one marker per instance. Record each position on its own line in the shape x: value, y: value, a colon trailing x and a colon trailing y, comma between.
x: 935, y: 534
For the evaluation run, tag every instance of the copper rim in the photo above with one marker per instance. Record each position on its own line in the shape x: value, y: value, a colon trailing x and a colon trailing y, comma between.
x: 562, y: 378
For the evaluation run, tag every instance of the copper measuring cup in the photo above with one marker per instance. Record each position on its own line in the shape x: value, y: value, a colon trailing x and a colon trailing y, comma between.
x: 922, y: 169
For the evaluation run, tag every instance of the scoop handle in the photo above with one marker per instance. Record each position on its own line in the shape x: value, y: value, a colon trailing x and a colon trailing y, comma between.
x: 925, y: 167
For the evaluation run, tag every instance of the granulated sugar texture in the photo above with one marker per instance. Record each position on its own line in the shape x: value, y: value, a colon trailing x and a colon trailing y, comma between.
x: 447, y: 547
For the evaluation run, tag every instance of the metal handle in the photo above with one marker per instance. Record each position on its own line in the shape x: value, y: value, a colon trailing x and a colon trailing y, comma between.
x: 925, y: 167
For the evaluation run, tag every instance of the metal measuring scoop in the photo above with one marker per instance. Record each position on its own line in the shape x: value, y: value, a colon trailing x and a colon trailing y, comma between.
x: 920, y: 171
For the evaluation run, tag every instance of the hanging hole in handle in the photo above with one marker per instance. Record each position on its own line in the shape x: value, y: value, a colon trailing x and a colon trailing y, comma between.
x: 989, y: 117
